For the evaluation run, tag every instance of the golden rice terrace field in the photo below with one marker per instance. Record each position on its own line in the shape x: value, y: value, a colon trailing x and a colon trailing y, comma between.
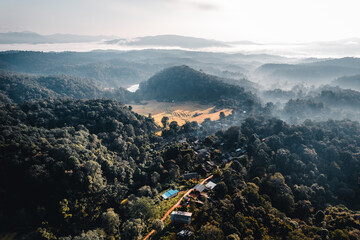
x: 179, y: 112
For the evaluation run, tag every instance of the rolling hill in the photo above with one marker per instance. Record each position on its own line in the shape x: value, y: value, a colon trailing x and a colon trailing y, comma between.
x: 18, y: 88
x: 316, y: 72
x: 352, y: 82
x: 182, y: 83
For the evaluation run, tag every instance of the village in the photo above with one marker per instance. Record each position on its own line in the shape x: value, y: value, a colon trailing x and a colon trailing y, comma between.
x: 180, y: 213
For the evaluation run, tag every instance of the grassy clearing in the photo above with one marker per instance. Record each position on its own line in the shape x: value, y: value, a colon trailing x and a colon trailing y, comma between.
x: 179, y: 112
x: 165, y: 205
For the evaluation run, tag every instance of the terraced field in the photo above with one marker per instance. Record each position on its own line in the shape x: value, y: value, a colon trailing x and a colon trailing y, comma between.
x: 180, y: 112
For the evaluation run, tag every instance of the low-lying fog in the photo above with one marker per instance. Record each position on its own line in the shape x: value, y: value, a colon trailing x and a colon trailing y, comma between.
x: 336, y: 49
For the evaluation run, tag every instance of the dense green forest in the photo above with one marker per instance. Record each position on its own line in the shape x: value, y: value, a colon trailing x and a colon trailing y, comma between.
x: 87, y: 169
x: 15, y: 87
x: 76, y: 163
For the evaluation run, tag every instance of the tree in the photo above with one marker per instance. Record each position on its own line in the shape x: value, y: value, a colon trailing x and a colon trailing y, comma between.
x: 158, y: 225
x: 111, y: 222
x: 145, y: 191
x: 174, y: 126
x: 211, y: 232
x: 220, y: 189
x: 144, y: 208
x: 95, y: 179
x: 319, y: 217
x: 165, y: 121
x: 222, y: 115
x: 132, y: 229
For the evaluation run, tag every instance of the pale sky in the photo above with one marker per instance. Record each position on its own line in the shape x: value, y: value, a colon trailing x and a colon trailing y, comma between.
x: 228, y: 20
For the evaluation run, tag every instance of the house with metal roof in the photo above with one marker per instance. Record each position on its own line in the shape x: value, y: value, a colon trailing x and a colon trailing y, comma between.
x: 169, y: 194
x: 199, y: 187
x: 210, y: 185
x: 180, y: 217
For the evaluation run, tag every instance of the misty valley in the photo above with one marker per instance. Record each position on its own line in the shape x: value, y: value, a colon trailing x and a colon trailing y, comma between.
x: 178, y: 144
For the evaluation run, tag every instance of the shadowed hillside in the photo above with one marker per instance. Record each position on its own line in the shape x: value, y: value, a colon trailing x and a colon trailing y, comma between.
x: 183, y: 83
x: 18, y: 88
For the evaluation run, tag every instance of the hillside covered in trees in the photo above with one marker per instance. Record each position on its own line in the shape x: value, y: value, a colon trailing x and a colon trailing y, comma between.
x: 77, y: 163
x: 93, y: 169
x: 15, y: 87
x: 182, y: 83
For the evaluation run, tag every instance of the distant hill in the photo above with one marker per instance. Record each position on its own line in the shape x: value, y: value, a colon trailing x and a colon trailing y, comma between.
x: 182, y: 83
x: 319, y: 72
x: 34, y: 38
x: 338, y: 97
x: 115, y: 69
x: 244, y: 83
x: 170, y: 41
x: 352, y: 82
x: 109, y: 69
x: 21, y: 87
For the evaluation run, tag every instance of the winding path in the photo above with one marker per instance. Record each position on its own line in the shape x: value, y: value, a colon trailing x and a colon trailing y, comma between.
x: 176, y: 205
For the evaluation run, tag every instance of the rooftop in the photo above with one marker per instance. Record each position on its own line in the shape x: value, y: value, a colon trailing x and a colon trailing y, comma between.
x: 181, y: 213
x: 210, y: 185
x: 199, y: 187
x: 170, y: 193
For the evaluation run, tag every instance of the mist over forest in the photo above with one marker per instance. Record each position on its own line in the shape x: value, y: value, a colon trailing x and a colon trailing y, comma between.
x: 295, y: 89
x: 102, y: 144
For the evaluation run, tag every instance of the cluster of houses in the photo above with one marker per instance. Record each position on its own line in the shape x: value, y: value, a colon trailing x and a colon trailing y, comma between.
x: 182, y: 217
x: 208, y: 164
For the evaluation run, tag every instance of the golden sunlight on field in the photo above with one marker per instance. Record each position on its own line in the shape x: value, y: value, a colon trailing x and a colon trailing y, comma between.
x: 180, y: 112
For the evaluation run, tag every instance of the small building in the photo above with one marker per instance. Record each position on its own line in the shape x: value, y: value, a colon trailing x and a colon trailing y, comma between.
x: 180, y: 217
x: 210, y: 185
x: 169, y: 194
x: 185, y: 233
x: 199, y: 187
x: 191, y: 175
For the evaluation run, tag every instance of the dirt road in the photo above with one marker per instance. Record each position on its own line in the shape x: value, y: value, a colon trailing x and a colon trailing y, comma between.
x: 176, y: 205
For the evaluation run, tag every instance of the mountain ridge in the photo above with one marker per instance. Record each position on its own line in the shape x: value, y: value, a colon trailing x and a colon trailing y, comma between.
x: 170, y: 40
x: 35, y: 38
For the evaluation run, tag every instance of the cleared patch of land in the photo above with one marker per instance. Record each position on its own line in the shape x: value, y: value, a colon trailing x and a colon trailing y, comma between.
x: 179, y: 112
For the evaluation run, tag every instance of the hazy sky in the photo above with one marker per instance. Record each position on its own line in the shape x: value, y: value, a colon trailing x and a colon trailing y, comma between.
x: 257, y: 20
